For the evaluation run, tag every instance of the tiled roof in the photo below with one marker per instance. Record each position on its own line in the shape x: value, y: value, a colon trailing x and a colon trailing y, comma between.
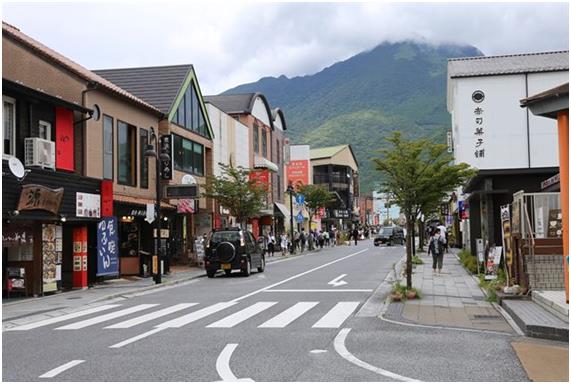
x: 322, y: 153
x: 508, y: 64
x: 239, y: 103
x: 15, y: 34
x: 159, y: 86
x: 558, y: 91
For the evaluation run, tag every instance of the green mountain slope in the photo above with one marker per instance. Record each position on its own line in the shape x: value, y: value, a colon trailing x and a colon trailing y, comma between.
x: 395, y: 86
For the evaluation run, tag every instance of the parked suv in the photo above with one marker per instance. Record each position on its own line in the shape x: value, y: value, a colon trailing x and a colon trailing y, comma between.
x: 232, y: 248
x: 389, y: 236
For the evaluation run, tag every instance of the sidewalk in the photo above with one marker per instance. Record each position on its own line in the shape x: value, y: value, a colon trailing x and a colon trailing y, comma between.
x: 452, y: 298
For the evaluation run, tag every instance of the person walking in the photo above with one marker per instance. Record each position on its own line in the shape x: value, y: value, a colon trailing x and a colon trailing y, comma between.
x: 284, y: 243
x: 355, y: 234
x: 432, y: 250
x: 295, y: 241
x: 439, y: 245
x: 303, y: 239
x: 326, y: 237
x: 271, y: 244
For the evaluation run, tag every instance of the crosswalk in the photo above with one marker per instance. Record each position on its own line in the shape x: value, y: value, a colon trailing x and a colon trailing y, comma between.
x: 256, y: 314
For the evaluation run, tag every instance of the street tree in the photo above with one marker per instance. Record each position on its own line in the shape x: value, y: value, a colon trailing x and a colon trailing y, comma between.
x: 316, y: 197
x: 236, y: 191
x: 418, y: 173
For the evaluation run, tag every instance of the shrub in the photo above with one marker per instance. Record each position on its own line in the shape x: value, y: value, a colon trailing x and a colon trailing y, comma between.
x: 469, y: 261
x: 417, y: 260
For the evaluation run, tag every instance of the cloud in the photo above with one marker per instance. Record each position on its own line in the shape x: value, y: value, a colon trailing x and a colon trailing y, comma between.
x: 234, y: 42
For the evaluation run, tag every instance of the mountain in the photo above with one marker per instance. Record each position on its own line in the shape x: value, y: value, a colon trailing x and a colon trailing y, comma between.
x: 395, y: 86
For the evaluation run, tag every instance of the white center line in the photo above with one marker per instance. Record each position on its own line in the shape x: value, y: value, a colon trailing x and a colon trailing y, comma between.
x: 56, y: 371
x: 319, y: 290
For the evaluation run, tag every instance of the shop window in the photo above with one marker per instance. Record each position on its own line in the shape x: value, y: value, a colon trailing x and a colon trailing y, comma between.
x: 107, y: 147
x: 127, y: 165
x: 144, y: 160
x: 9, y: 121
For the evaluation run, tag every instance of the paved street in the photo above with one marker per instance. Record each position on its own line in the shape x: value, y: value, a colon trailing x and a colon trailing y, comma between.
x: 295, y: 322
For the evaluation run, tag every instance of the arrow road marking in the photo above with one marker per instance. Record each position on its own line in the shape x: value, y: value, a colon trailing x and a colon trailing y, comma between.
x: 223, y: 364
x: 337, y: 283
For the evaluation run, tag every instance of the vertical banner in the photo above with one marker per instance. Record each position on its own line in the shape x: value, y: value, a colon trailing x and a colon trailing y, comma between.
x: 64, y: 139
x: 50, y: 257
x: 480, y: 252
x: 507, y: 237
x: 166, y: 146
x: 80, y: 257
x: 107, y: 247
x: 493, y: 263
x: 106, y: 198
x: 298, y: 173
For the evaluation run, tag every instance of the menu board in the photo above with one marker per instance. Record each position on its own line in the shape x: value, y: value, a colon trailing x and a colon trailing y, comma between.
x: 52, y: 258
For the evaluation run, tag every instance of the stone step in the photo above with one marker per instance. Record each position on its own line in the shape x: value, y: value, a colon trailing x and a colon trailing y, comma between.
x: 536, y: 321
x: 553, y: 301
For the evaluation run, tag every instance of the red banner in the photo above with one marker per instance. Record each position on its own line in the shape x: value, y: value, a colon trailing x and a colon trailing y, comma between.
x: 64, y: 139
x: 106, y: 198
x: 261, y: 177
x: 298, y: 172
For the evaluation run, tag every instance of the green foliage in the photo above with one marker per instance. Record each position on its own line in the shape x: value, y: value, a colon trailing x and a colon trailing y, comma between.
x: 236, y: 192
x: 417, y: 260
x: 316, y: 197
x: 469, y: 261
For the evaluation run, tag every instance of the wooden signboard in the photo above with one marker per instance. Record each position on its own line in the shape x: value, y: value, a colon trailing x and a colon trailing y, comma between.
x: 35, y: 196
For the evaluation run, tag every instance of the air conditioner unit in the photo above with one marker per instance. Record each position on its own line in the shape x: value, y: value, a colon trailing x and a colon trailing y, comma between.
x: 39, y: 152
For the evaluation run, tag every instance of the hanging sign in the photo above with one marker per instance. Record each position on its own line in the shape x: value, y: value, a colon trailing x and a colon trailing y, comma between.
x: 107, y: 247
x: 35, y: 196
x: 166, y: 146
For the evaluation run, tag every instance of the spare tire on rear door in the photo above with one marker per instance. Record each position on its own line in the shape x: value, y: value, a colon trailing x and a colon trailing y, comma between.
x: 225, y: 252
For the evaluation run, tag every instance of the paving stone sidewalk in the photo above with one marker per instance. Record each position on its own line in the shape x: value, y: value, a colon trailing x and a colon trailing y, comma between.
x: 452, y: 298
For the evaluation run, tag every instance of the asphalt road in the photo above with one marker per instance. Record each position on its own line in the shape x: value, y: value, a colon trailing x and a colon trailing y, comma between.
x: 294, y: 322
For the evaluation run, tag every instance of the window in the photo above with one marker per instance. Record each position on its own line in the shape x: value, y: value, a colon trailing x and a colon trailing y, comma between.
x: 107, y: 147
x: 189, y: 113
x: 188, y: 156
x: 127, y: 166
x: 279, y: 184
x: 278, y: 151
x: 264, y: 143
x: 44, y: 130
x: 256, y: 139
x: 144, y: 160
x: 9, y: 113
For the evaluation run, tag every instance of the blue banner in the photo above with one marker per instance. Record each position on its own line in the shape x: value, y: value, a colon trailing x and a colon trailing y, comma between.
x: 107, y: 247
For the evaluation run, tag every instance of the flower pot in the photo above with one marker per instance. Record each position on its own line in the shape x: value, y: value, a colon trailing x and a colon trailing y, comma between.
x: 410, y: 295
x: 396, y: 297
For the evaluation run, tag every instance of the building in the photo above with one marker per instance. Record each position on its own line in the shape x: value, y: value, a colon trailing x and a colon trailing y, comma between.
x: 512, y: 149
x: 230, y: 147
x: 57, y: 117
x: 267, y: 148
x: 175, y: 91
x: 336, y: 169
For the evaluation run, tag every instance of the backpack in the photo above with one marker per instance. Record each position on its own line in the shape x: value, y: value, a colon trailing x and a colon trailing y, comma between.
x: 440, y: 245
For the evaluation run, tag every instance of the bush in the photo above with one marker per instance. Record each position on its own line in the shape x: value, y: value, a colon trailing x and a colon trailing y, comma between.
x: 417, y: 260
x: 469, y: 261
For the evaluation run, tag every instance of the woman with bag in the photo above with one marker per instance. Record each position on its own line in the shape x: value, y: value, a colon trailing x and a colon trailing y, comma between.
x: 271, y: 244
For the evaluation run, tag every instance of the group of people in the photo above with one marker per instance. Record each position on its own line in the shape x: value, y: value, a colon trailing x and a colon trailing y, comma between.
x: 303, y: 240
x: 437, y: 245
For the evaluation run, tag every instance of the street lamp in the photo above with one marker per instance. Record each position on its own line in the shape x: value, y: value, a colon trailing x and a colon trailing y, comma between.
x: 151, y: 152
x: 291, y: 192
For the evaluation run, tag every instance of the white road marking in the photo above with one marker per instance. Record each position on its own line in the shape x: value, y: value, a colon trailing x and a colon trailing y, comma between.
x: 56, y: 371
x: 151, y: 316
x: 187, y: 319
x: 58, y: 319
x: 319, y: 290
x: 289, y: 315
x: 238, y: 317
x: 109, y: 316
x: 136, y: 338
x: 337, y: 315
x: 336, y: 283
x: 223, y: 364
x: 339, y: 344
x: 300, y: 274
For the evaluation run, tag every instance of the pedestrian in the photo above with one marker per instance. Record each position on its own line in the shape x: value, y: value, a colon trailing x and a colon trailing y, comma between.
x: 320, y: 239
x: 326, y: 237
x: 271, y: 244
x: 295, y: 241
x: 432, y: 249
x: 355, y: 234
x: 303, y: 239
x: 439, y: 244
x: 311, y: 240
x: 332, y: 237
x: 284, y: 243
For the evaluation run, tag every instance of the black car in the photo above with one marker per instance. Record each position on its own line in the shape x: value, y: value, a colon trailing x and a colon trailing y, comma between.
x: 232, y: 248
x: 389, y: 236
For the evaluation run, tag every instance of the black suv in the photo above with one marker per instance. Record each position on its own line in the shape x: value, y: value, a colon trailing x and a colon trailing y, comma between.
x: 389, y: 236
x: 232, y: 248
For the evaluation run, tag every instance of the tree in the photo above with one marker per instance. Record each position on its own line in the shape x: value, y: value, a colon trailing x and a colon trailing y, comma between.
x: 417, y: 175
x: 316, y: 197
x: 235, y: 191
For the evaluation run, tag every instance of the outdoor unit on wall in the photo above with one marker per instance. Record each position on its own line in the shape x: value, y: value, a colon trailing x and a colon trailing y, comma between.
x: 39, y: 152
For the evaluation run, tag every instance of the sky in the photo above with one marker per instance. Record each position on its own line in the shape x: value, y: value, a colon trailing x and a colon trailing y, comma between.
x: 235, y: 42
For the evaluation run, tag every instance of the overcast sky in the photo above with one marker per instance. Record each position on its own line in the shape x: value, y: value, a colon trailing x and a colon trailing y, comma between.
x: 235, y: 42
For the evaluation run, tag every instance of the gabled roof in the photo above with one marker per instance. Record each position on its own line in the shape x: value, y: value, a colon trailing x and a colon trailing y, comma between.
x: 508, y: 64
x: 241, y: 103
x: 49, y: 54
x: 159, y: 86
x: 324, y: 153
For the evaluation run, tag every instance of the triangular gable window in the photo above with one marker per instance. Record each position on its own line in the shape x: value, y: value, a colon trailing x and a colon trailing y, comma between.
x: 189, y: 113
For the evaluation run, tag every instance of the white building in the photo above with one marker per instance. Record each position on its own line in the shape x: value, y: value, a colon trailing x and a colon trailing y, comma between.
x: 512, y: 149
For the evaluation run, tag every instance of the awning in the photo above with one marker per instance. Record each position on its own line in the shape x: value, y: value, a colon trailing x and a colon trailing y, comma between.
x: 283, y: 210
x: 260, y: 162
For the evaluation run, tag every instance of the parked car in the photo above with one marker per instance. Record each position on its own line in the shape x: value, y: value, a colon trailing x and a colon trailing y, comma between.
x: 232, y: 249
x: 390, y: 236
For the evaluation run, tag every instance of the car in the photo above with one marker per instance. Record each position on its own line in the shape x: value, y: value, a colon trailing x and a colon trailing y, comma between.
x: 390, y: 236
x: 232, y: 249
